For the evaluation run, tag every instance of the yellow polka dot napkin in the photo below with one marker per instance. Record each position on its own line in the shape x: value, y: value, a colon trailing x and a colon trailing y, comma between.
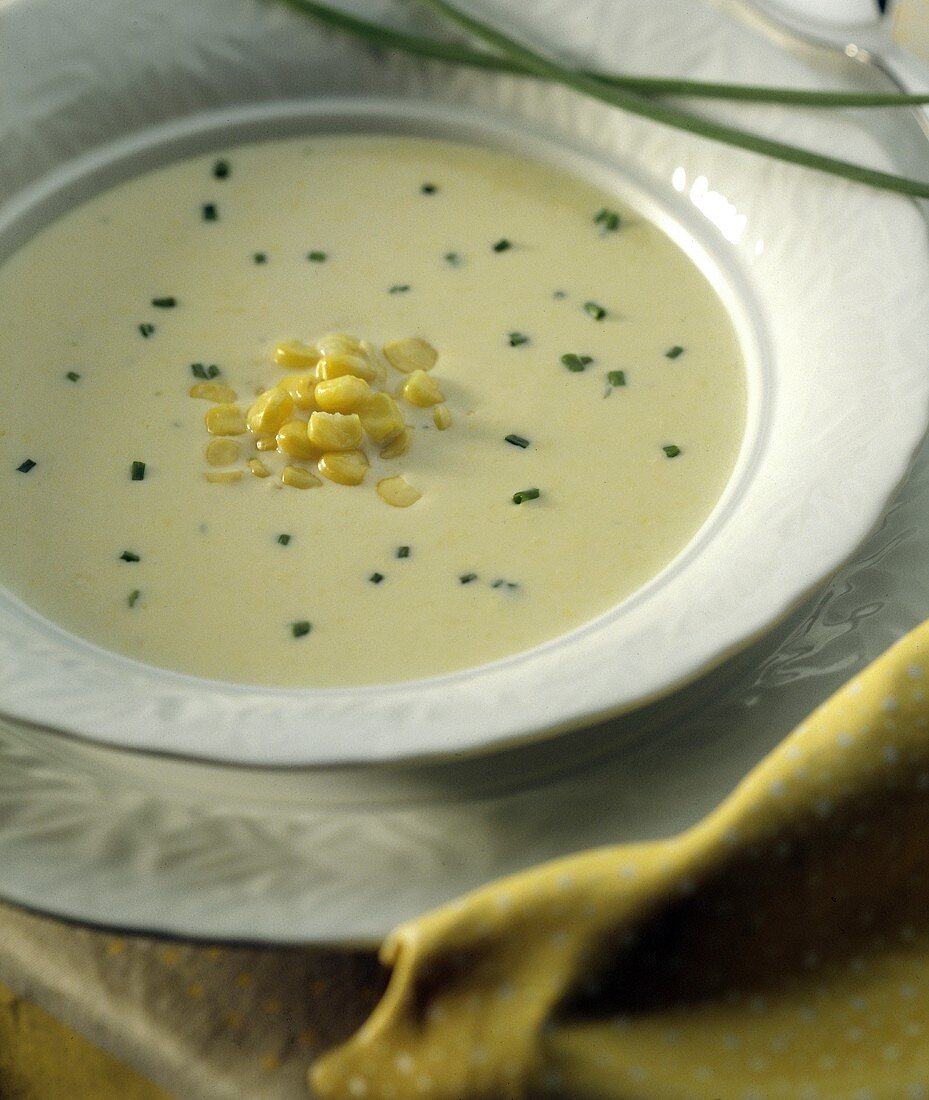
x: 778, y: 950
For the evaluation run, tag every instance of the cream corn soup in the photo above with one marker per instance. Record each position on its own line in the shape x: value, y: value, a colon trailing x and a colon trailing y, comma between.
x: 347, y: 410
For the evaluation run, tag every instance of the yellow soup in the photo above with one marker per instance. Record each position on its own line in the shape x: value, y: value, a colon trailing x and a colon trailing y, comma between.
x: 203, y: 371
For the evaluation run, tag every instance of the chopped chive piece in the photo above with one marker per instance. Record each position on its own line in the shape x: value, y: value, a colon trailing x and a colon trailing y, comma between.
x: 609, y: 219
x: 72, y: 376
x: 672, y: 450
x: 517, y: 338
x: 221, y: 169
x: 429, y: 188
x: 501, y: 583
x: 403, y: 551
x: 575, y: 362
x: 616, y: 378
x: 673, y: 353
x: 283, y: 539
x: 260, y: 257
x: 209, y: 212
x: 25, y: 467
x: 502, y: 245
x: 164, y: 303
x: 467, y: 578
x: 317, y: 257
x: 146, y: 330
x: 399, y: 288
x: 200, y: 370
x: 376, y: 578
x: 453, y: 258
x: 525, y: 494
x: 560, y: 294
x: 595, y: 310
x: 137, y: 471
x: 516, y: 440
x: 133, y: 597
x: 301, y: 628
x: 128, y: 555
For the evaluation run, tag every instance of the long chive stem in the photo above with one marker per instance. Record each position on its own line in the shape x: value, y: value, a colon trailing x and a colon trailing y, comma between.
x: 458, y: 54
x: 635, y: 103
x: 630, y: 94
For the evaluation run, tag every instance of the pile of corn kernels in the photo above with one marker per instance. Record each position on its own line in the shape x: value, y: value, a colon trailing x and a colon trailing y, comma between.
x: 333, y: 401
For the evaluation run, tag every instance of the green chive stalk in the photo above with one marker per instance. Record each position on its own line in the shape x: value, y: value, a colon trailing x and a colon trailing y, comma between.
x: 453, y: 53
x: 539, y: 65
x: 637, y: 95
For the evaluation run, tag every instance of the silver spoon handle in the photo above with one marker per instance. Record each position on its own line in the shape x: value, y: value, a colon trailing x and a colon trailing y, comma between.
x: 906, y: 71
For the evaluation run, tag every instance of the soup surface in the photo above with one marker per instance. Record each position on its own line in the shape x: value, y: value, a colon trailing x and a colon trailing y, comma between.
x: 582, y: 416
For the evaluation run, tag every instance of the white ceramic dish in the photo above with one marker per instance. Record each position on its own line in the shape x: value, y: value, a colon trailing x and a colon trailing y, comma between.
x: 136, y: 840
x: 641, y: 649
x: 837, y: 402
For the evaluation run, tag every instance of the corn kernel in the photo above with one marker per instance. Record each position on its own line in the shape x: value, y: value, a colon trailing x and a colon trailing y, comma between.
x: 222, y: 452
x: 409, y: 355
x: 270, y: 411
x: 381, y: 418
x: 422, y: 390
x: 223, y: 477
x: 345, y: 394
x: 337, y: 343
x: 213, y: 391
x: 301, y: 388
x: 225, y: 420
x: 398, y: 492
x: 441, y: 417
x: 397, y: 446
x: 335, y: 366
x: 376, y: 358
x: 298, y: 478
x: 334, y: 431
x: 292, y: 440
x: 266, y: 443
x: 258, y: 468
x: 295, y: 355
x: 344, y: 467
